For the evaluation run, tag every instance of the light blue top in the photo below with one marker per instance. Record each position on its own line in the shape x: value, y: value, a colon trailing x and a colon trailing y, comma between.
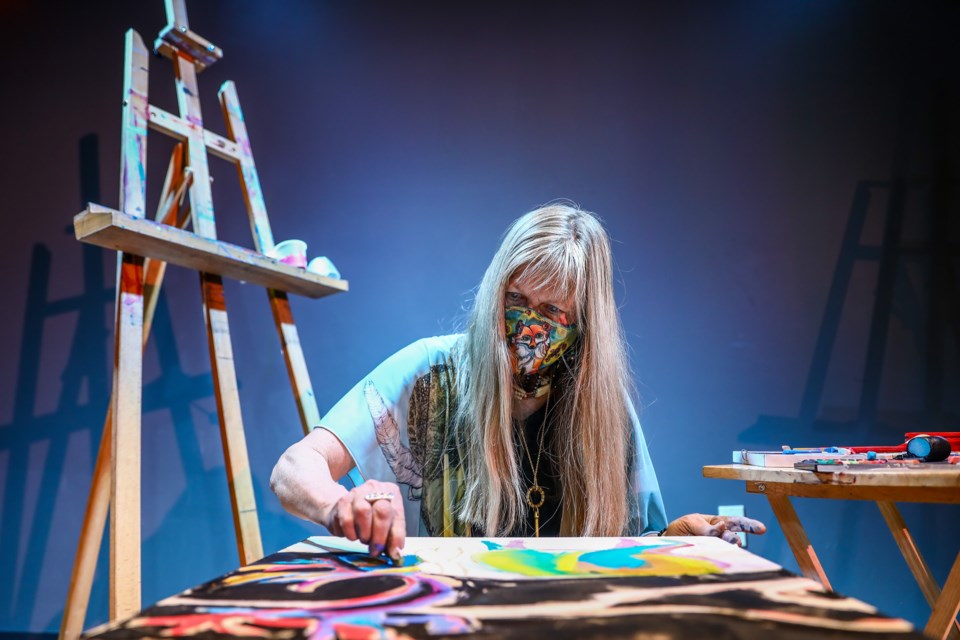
x: 377, y: 417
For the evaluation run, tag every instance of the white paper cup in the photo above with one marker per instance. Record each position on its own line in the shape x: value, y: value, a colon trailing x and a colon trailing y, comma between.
x: 322, y: 266
x: 292, y: 252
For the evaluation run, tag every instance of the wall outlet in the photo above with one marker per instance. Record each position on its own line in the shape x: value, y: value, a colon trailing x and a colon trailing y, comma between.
x: 733, y: 510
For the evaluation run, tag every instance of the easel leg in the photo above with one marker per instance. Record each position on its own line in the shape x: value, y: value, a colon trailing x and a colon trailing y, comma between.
x: 218, y: 330
x: 128, y: 351
x: 125, y: 442
x: 263, y: 239
x: 98, y: 503
x: 918, y: 566
x: 797, y: 538
x: 296, y: 363
x: 231, y: 424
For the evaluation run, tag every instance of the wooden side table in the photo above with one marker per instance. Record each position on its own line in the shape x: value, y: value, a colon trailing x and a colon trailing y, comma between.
x: 935, y: 484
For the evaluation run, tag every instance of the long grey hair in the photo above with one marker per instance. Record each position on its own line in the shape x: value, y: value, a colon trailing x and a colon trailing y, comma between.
x: 559, y: 249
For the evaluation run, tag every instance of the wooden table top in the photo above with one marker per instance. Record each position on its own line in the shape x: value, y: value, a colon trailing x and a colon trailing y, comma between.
x: 930, y: 475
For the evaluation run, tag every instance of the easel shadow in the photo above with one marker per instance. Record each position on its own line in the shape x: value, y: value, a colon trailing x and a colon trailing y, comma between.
x: 926, y: 309
x: 41, y: 450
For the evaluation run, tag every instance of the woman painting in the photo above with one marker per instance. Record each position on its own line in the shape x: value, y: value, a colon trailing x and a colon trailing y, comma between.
x: 521, y: 426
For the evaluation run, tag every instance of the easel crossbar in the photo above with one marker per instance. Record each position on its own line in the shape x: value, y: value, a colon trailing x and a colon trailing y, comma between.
x: 176, y: 127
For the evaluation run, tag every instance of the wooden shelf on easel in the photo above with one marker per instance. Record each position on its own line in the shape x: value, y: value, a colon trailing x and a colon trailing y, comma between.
x: 114, y: 229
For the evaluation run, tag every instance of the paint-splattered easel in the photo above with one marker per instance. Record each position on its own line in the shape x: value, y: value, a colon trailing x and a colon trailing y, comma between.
x: 145, y: 246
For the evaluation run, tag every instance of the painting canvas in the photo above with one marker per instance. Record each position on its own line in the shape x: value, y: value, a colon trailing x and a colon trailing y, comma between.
x: 328, y: 588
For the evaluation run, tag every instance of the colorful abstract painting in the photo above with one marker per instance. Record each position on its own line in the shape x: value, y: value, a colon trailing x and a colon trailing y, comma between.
x: 327, y: 588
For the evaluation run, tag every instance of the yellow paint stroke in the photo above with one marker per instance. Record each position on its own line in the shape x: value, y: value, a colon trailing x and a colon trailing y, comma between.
x: 623, y: 561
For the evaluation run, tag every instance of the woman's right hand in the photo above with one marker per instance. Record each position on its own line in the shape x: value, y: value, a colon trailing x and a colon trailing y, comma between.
x: 305, y: 480
x: 371, y: 513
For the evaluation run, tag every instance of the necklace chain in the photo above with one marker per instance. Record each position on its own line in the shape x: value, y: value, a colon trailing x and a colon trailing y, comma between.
x: 535, y: 489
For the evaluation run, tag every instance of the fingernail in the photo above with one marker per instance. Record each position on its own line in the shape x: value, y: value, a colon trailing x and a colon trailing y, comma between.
x: 376, y: 549
x: 397, y: 557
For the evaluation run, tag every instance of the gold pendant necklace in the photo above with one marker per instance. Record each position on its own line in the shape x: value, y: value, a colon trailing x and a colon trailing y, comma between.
x: 536, y: 495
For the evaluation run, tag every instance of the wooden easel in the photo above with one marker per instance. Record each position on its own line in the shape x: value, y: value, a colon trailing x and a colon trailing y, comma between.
x: 145, y: 246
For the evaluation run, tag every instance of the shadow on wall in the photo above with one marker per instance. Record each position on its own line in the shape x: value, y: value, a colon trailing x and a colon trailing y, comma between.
x: 901, y: 228
x: 38, y: 447
x: 890, y: 335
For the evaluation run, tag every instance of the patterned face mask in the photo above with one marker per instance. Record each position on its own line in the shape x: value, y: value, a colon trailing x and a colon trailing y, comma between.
x: 536, y: 342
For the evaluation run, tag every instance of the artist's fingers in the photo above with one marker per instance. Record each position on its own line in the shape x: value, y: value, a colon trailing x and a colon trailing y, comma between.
x: 695, y: 524
x: 343, y: 520
x: 747, y: 525
x: 732, y: 538
x: 333, y: 526
x: 380, y: 527
x: 717, y: 529
x: 397, y: 536
x: 362, y: 513
x: 707, y: 525
x: 698, y: 524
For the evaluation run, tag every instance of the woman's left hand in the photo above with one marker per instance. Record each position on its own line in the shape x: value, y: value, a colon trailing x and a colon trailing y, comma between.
x: 726, y: 527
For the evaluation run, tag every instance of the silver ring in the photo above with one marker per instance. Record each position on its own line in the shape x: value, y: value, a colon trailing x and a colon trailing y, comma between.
x: 378, y: 495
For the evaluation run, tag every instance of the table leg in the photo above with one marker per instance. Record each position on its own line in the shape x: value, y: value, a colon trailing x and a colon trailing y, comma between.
x: 947, y: 606
x: 797, y: 538
x: 918, y: 566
